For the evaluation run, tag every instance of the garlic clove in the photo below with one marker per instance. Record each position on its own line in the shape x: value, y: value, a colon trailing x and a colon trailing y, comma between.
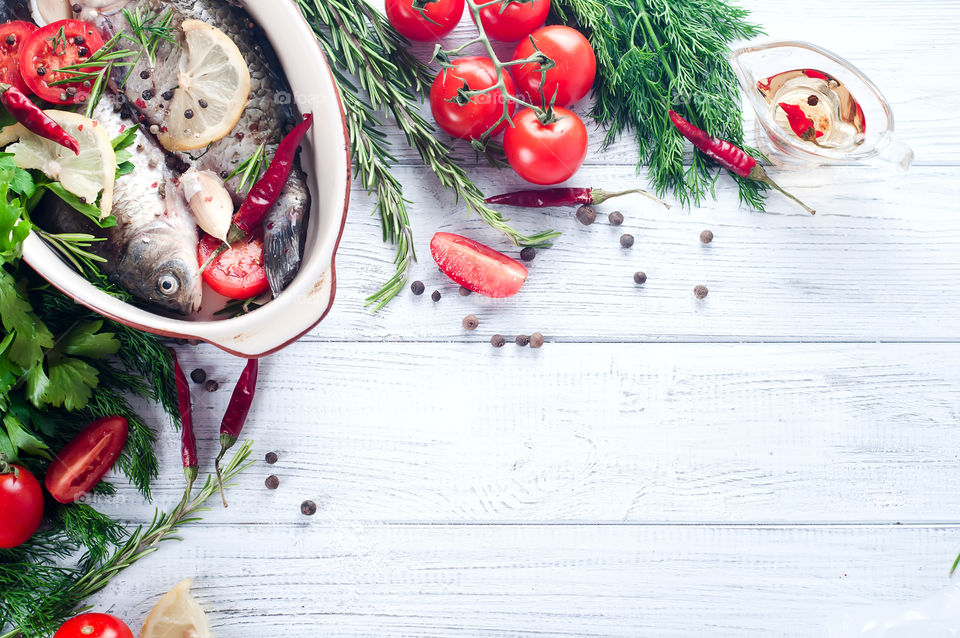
x: 209, y: 200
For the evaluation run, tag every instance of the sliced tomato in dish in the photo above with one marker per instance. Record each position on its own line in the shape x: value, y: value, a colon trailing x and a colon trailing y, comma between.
x: 477, y: 267
x: 237, y: 273
x: 13, y: 36
x: 86, y: 459
x: 50, y: 48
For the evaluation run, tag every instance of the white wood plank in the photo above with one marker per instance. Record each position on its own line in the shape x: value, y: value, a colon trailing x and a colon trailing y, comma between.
x: 510, y: 581
x: 878, y: 262
x: 643, y: 433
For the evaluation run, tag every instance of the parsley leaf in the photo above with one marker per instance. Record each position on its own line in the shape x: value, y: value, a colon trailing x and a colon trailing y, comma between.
x: 72, y: 382
x: 86, y: 340
x: 32, y: 336
x: 23, y: 440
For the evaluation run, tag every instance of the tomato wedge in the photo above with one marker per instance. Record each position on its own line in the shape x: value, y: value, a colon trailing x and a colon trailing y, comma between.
x: 53, y: 47
x: 477, y: 267
x: 13, y: 35
x: 238, y: 273
x: 86, y: 459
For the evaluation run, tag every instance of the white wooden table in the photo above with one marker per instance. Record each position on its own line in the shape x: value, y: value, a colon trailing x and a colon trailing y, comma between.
x: 741, y: 466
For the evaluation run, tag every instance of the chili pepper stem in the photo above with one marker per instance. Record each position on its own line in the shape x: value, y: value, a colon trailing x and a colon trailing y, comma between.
x: 600, y: 196
x: 760, y: 175
x: 226, y: 442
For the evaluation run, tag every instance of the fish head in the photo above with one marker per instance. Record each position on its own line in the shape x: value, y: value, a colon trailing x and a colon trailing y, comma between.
x: 158, y: 269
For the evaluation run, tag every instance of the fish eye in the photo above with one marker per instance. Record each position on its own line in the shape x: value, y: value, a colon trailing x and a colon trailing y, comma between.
x: 168, y: 284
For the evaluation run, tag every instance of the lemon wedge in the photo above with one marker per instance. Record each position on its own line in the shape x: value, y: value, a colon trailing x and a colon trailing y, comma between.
x: 177, y: 615
x: 214, y: 88
x: 86, y: 175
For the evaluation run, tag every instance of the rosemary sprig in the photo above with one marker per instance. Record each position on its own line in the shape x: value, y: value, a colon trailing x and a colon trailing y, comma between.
x: 362, y: 44
x: 149, y: 30
x: 40, y: 611
x: 97, y: 69
x: 956, y: 564
x: 250, y: 169
x: 73, y: 248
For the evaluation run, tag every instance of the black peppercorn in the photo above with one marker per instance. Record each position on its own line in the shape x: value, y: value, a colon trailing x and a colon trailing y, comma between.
x: 71, y: 91
x: 41, y: 71
x: 706, y: 236
x: 616, y: 218
x: 273, y: 482
x: 11, y: 40
x: 199, y: 375
x: 145, y: 74
x: 522, y: 340
x: 212, y: 386
x: 147, y: 95
x: 83, y: 52
x: 188, y: 114
x: 586, y: 215
x: 79, y: 39
x: 536, y: 340
x: 77, y: 9
x: 813, y: 100
x: 465, y: 292
x: 528, y: 253
x: 167, y: 95
x: 700, y: 292
x: 498, y: 341
x: 626, y: 240
x: 203, y: 103
x: 417, y: 288
x: 270, y: 458
x: 436, y: 295
x: 470, y: 322
x: 308, y: 508
x: 640, y: 278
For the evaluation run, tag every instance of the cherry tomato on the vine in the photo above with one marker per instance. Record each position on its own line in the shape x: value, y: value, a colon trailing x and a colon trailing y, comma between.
x: 546, y: 154
x: 511, y: 20
x: 572, y: 77
x: 424, y: 20
x: 478, y: 114
x: 21, y: 501
x: 94, y: 626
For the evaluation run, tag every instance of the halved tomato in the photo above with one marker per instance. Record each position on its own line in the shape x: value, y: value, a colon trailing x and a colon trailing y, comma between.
x: 477, y: 267
x: 13, y: 35
x: 238, y: 273
x: 86, y: 459
x: 50, y: 48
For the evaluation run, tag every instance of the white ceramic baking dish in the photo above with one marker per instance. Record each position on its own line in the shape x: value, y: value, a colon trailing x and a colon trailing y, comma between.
x: 326, y: 160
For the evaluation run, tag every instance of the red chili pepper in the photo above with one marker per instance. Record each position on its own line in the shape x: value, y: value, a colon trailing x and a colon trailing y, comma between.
x: 236, y: 414
x: 34, y: 119
x: 266, y: 191
x: 564, y: 197
x: 732, y: 158
x: 800, y: 123
x: 188, y: 441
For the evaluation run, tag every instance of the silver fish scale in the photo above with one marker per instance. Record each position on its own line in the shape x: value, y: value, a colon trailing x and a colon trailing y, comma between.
x: 268, y: 116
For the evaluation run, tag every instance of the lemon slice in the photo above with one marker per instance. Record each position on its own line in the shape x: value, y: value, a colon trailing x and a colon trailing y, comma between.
x: 177, y: 615
x: 213, y: 91
x: 85, y: 175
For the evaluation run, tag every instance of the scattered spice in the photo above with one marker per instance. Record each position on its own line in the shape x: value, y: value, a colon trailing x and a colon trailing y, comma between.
x: 813, y: 100
x: 308, y: 508
x: 528, y: 253
x: 154, y: 129
x: 41, y: 71
x: 11, y: 40
x: 273, y: 482
x: 626, y: 240
x: 706, y: 236
x: 417, y: 288
x: 212, y: 386
x: 203, y: 103
x: 616, y: 218
x: 188, y: 114
x: 640, y: 278
x: 199, y: 375
x: 465, y: 292
x: 470, y: 322
x: 522, y: 340
x: 147, y: 94
x: 270, y: 458
x: 536, y: 340
x: 586, y: 215
x: 436, y: 295
x: 498, y: 341
x: 700, y: 291
x: 167, y: 95
x: 145, y: 74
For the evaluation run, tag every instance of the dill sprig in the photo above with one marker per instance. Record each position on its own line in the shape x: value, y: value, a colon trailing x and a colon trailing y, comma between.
x: 654, y: 55
x: 37, y: 597
x: 362, y: 44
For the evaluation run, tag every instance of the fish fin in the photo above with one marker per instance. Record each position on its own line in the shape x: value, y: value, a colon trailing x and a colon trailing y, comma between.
x: 282, y: 248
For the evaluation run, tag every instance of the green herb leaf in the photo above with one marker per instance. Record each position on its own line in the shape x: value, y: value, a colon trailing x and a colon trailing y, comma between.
x: 72, y: 382
x: 90, y: 210
x: 17, y: 316
x: 23, y: 440
x: 86, y: 340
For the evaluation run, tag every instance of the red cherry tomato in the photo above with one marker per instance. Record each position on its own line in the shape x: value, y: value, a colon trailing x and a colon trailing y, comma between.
x: 21, y: 501
x: 476, y: 117
x: 86, y: 459
x: 515, y: 21
x: 546, y: 153
x: 13, y: 35
x: 572, y: 77
x: 52, y: 47
x: 238, y: 273
x: 94, y: 626
x: 477, y: 267
x: 426, y: 24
